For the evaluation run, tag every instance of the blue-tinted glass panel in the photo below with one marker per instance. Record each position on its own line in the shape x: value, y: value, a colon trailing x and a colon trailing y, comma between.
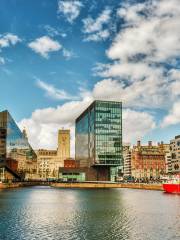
x: 17, y: 145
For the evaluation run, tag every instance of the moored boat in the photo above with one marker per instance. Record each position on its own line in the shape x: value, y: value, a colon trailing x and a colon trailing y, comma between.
x: 172, y: 185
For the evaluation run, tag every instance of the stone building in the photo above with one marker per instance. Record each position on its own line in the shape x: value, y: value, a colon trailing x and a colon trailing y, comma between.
x: 166, y: 149
x: 127, y: 159
x: 175, y: 154
x: 49, y: 161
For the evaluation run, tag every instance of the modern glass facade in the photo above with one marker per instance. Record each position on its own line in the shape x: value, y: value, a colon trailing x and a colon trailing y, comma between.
x: 13, y: 144
x: 99, y: 134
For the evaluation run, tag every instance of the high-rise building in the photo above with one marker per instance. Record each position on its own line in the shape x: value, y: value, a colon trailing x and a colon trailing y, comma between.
x: 16, y: 154
x: 98, y: 140
x: 175, y: 154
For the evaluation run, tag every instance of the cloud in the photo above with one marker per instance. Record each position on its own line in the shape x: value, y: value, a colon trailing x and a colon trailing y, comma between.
x: 94, y: 28
x: 53, y: 32
x: 70, y: 9
x: 173, y: 117
x: 8, y: 39
x: 53, y: 92
x: 68, y: 54
x: 147, y: 42
x: 2, y: 60
x: 142, y: 73
x: 174, y: 75
x: 136, y: 124
x: 147, y: 94
x: 151, y: 29
x: 44, y: 45
x: 43, y: 125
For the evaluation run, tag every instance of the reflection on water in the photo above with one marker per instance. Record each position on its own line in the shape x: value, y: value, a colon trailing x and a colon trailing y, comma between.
x: 47, y: 213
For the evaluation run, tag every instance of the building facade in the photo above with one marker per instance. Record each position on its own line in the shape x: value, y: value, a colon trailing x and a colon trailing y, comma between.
x: 127, y: 159
x: 147, y: 162
x: 49, y: 161
x: 175, y: 154
x: 166, y: 149
x: 98, y: 140
x: 16, y: 154
x: 63, y: 150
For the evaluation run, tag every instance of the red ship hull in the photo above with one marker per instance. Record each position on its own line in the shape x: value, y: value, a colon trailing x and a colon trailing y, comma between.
x: 171, y: 188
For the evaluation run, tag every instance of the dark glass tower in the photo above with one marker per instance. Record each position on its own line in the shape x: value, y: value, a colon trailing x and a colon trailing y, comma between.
x: 99, y: 135
x: 14, y: 146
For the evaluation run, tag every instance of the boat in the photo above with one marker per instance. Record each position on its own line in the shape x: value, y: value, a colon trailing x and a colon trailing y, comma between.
x: 172, y: 185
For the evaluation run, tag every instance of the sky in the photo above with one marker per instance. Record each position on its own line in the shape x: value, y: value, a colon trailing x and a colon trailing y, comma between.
x: 57, y: 56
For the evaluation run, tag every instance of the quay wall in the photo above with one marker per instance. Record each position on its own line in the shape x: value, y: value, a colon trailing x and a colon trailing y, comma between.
x: 109, y: 185
x: 85, y: 185
x: 21, y: 184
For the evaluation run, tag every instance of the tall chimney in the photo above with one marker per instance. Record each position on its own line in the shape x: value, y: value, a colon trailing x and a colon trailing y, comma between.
x: 150, y: 143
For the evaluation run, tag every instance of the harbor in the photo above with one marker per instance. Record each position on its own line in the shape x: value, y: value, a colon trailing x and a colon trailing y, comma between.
x: 43, y: 212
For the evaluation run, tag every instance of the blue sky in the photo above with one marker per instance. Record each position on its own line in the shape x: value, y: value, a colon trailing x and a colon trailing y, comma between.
x: 58, y: 56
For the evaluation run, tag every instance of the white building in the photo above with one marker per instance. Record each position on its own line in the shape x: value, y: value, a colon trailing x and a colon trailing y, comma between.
x: 175, y: 154
x: 127, y: 159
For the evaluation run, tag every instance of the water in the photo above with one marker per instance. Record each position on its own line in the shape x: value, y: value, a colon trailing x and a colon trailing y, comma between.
x: 76, y: 214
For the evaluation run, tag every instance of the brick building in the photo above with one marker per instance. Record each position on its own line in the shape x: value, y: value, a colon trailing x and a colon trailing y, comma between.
x: 147, y: 162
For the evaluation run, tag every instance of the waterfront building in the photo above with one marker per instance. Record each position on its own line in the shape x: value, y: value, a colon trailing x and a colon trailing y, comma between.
x: 175, y: 154
x: 98, y: 141
x: 63, y: 150
x: 166, y: 149
x: 49, y: 161
x: 17, y: 158
x: 46, y: 163
x: 127, y: 159
x: 147, y: 162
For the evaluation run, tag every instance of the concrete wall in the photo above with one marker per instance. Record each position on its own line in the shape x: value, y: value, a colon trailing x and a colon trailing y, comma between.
x: 21, y: 184
x: 109, y: 185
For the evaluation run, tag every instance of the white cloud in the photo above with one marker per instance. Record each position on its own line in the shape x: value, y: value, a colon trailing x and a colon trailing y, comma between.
x: 44, y: 45
x: 136, y: 124
x: 68, y: 54
x: 174, y: 75
x: 43, y: 125
x: 149, y: 37
x: 91, y: 25
x: 173, y: 117
x: 98, y: 36
x: 136, y: 75
x: 70, y: 9
x: 148, y: 93
x: 8, y: 39
x: 2, y: 60
x: 53, y: 92
x: 52, y: 32
x: 156, y: 33
x: 94, y: 28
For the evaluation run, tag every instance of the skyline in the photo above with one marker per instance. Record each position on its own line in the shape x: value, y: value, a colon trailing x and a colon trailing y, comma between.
x: 68, y: 53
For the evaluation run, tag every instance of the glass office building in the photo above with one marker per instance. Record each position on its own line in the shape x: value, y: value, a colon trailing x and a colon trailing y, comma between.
x: 99, y: 135
x: 14, y: 146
